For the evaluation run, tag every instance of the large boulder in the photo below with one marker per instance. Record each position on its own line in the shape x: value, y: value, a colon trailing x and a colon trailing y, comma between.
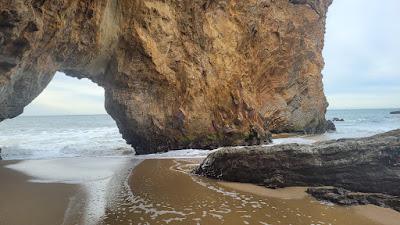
x: 369, y: 164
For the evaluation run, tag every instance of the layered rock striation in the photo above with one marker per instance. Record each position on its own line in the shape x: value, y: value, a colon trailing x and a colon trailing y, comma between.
x: 176, y: 74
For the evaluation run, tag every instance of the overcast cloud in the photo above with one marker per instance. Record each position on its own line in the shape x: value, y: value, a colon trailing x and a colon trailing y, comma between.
x: 362, y: 53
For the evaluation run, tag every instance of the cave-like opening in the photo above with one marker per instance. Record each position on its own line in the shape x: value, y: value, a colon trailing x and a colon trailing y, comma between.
x: 67, y: 119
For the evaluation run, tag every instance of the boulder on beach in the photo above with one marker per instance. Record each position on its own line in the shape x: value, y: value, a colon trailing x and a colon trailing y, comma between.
x: 370, y: 165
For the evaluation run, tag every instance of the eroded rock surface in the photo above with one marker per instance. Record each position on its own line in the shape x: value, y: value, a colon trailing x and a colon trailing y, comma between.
x: 370, y: 165
x: 176, y: 74
x: 341, y: 196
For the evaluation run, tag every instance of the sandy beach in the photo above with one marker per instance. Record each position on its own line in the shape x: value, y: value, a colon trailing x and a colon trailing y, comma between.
x: 117, y: 191
x: 60, y: 191
x: 25, y: 202
x: 163, y: 193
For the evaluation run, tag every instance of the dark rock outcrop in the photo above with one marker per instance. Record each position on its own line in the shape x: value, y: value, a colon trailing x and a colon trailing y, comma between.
x: 342, y: 196
x: 370, y: 165
x: 337, y: 119
x: 395, y: 112
x: 176, y: 74
x: 330, y: 126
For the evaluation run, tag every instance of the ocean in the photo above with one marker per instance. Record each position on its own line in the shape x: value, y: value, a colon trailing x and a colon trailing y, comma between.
x: 43, y: 137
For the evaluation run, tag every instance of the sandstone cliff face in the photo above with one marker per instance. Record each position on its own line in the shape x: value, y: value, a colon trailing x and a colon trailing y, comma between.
x: 176, y: 74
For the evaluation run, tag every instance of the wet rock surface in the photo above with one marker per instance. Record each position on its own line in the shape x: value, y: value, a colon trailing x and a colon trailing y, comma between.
x: 370, y: 165
x: 176, y: 74
x: 342, y: 196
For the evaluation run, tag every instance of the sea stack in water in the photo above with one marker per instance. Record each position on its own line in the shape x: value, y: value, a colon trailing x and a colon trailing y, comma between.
x: 370, y: 165
x: 395, y: 112
x: 176, y: 74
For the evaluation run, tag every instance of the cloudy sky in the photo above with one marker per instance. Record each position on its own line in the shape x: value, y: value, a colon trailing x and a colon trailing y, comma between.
x: 362, y: 57
x: 362, y: 54
x: 68, y: 96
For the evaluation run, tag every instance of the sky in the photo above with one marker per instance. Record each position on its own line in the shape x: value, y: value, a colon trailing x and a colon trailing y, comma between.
x: 362, y: 54
x: 68, y: 96
x: 362, y: 64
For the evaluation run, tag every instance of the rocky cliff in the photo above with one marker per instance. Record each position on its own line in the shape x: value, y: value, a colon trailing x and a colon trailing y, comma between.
x: 176, y: 74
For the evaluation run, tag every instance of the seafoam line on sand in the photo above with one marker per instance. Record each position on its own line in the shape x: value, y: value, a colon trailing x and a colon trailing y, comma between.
x: 94, y: 175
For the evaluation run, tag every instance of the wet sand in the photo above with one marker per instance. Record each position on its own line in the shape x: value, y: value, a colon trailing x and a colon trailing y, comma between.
x: 163, y: 193
x: 60, y: 191
x: 282, y: 193
x: 157, y: 191
x: 24, y: 202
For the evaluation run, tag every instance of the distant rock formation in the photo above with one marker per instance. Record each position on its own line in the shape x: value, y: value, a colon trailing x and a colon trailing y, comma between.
x: 338, y: 119
x: 177, y: 74
x: 395, y: 112
x: 370, y: 165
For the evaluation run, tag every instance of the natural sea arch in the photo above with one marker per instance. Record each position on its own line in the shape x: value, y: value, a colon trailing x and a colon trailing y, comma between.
x: 176, y: 74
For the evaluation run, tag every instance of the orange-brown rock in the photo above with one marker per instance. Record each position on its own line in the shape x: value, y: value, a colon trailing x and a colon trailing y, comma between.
x: 176, y: 74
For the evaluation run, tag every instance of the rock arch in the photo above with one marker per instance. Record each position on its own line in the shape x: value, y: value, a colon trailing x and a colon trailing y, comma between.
x: 176, y: 74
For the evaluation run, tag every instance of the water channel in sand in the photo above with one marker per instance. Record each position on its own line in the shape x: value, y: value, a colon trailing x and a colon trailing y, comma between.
x: 163, y: 193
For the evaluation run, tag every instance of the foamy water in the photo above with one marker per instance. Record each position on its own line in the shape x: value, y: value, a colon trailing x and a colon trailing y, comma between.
x: 165, y: 194
x: 97, y: 135
x: 61, y: 136
x: 94, y: 175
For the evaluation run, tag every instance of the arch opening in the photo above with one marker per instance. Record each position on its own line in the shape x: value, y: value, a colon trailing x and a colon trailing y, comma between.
x: 67, y: 119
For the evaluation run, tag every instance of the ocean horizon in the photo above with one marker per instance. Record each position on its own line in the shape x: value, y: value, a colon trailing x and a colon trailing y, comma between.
x: 58, y: 136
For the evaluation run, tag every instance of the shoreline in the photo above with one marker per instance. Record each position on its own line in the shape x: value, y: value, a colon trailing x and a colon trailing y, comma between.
x: 164, y: 192
x: 145, y: 190
x: 91, y: 184
x: 40, y: 203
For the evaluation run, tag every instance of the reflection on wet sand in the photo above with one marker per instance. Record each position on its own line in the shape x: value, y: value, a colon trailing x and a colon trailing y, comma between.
x: 26, y: 203
x: 163, y: 193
